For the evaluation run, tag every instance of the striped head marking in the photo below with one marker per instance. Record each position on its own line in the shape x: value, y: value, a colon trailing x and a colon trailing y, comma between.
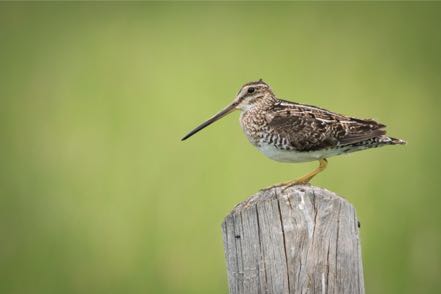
x: 250, y: 95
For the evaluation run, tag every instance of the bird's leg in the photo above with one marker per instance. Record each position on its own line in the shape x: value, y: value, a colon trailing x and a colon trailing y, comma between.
x: 306, y: 178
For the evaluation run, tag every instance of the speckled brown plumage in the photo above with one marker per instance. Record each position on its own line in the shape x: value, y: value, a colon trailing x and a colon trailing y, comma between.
x: 293, y: 132
x: 293, y: 126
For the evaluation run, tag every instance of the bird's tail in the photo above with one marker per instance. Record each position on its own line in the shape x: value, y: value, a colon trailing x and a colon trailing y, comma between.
x: 392, y: 141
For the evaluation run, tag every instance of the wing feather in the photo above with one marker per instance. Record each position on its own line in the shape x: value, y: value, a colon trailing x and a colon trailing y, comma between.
x: 309, y: 128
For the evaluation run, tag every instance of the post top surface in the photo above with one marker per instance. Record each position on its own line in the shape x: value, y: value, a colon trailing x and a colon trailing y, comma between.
x: 276, y: 192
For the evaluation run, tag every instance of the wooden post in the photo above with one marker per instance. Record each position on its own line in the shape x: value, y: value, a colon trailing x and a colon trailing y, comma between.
x: 301, y: 240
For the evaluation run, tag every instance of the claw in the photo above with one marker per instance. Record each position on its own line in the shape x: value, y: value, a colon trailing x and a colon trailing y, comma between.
x: 303, y: 180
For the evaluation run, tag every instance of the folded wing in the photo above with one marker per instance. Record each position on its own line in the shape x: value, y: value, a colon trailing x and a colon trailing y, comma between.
x: 308, y: 128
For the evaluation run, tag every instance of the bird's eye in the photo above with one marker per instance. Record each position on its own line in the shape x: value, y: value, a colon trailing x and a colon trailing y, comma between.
x: 251, y: 90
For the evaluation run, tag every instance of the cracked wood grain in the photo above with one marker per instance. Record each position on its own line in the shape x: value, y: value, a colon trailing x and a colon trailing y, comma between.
x: 301, y: 240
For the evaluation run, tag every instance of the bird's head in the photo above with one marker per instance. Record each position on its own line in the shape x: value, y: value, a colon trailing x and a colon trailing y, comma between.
x: 250, y: 95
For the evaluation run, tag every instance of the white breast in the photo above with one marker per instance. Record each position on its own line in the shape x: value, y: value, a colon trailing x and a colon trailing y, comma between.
x: 295, y: 156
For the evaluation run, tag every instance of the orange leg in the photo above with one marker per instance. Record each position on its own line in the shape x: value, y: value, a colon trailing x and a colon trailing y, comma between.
x: 306, y: 178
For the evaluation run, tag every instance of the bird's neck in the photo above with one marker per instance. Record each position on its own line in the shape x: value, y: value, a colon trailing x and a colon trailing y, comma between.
x: 263, y: 104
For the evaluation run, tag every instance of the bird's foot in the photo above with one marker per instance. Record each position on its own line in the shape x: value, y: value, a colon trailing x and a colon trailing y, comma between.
x: 286, y: 185
x: 298, y: 182
x: 303, y: 180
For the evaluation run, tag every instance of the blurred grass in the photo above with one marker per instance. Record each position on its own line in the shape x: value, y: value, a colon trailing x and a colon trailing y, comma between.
x: 97, y: 193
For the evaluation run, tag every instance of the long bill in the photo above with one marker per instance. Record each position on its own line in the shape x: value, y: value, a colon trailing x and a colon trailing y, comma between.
x: 216, y: 117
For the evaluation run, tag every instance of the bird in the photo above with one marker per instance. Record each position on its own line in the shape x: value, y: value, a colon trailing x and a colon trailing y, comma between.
x: 293, y: 132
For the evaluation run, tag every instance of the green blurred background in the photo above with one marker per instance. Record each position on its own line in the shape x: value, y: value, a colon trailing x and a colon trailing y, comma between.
x: 99, y: 195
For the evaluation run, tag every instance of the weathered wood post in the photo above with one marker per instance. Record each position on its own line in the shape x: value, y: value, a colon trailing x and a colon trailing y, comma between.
x: 301, y: 240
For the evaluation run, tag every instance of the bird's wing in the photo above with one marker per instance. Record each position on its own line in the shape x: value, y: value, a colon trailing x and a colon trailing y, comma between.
x: 309, y: 128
